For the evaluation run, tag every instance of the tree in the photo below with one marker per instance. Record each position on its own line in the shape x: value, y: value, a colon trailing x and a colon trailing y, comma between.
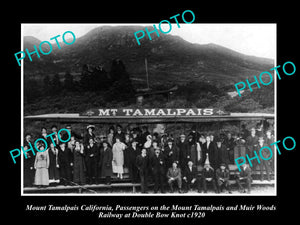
x: 121, y: 88
x: 56, y: 86
x: 46, y: 86
x: 31, y: 90
x: 118, y: 71
x: 68, y: 82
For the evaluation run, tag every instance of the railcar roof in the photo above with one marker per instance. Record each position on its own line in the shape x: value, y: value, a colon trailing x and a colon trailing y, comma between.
x: 77, y: 118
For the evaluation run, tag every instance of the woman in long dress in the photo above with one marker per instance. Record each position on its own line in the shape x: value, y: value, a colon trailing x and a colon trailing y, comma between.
x: 79, y: 164
x: 118, y: 158
x: 54, y: 176
x: 41, y: 165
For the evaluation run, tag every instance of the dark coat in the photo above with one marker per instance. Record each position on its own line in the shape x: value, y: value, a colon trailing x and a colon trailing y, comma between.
x: 245, y: 174
x: 212, y: 155
x: 132, y: 154
x: 208, y: 173
x: 158, y: 164
x: 184, y: 153
x: 222, y: 174
x: 142, y: 163
x: 105, y: 162
x: 91, y: 154
x: 78, y: 167
x: 65, y: 158
x: 53, y: 165
x: 190, y: 175
x: 29, y: 165
x: 194, y: 153
x: 251, y: 143
x: 222, y: 155
x: 120, y: 135
x: 230, y: 143
x: 265, y: 152
x: 87, y: 137
x: 171, y: 155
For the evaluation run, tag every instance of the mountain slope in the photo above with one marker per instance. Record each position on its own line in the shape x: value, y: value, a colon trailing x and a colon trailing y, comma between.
x: 170, y: 58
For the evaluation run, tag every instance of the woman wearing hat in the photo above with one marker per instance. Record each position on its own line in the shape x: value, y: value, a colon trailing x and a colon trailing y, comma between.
x: 105, y: 162
x: 118, y: 157
x: 110, y: 135
x: 90, y: 134
x: 41, y: 165
x: 79, y: 164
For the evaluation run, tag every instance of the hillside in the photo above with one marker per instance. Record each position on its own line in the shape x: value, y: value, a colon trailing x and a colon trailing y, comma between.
x: 170, y: 58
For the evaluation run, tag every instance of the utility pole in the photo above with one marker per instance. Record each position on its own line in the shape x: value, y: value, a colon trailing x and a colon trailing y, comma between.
x: 147, y: 73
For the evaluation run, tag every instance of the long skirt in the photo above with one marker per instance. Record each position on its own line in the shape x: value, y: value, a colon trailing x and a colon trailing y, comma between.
x: 41, y: 176
x: 117, y: 168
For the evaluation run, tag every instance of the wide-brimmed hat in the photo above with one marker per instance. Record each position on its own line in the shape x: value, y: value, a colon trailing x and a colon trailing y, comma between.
x: 90, y: 126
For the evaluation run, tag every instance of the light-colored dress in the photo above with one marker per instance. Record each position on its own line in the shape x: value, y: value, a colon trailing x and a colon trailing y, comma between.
x: 118, y: 157
x: 41, y: 164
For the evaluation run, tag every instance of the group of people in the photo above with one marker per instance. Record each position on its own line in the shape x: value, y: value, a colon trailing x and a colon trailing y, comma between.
x: 189, y: 161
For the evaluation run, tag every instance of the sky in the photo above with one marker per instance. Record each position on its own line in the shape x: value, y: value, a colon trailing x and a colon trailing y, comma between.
x: 251, y: 39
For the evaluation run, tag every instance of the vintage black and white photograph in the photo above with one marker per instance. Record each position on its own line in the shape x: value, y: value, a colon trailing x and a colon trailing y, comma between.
x: 138, y: 109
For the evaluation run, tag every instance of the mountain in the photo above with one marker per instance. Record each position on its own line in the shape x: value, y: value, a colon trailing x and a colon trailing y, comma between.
x: 171, y: 59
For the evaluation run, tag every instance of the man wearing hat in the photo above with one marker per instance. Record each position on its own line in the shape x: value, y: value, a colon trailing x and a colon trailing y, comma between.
x: 222, y: 178
x: 91, y: 158
x: 208, y: 176
x: 133, y: 151
x: 184, y: 151
x: 269, y: 140
x: 119, y: 134
x: 244, y: 175
x: 171, y: 153
x: 266, y: 154
x: 190, y: 177
x: 174, y: 175
x: 158, y: 167
x: 209, y: 152
x: 142, y: 163
x: 222, y: 153
x: 251, y: 143
x: 65, y: 135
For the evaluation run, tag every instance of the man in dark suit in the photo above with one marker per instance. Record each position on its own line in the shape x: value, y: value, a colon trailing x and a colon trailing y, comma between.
x: 208, y: 176
x: 222, y: 154
x: 65, y: 160
x: 266, y: 154
x: 171, y: 153
x: 252, y: 143
x: 132, y: 152
x: 158, y: 168
x: 222, y: 178
x: 174, y: 175
x: 142, y: 163
x: 244, y: 175
x: 230, y: 143
x: 210, y: 152
x: 91, y: 156
x: 190, y: 177
x: 184, y: 151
